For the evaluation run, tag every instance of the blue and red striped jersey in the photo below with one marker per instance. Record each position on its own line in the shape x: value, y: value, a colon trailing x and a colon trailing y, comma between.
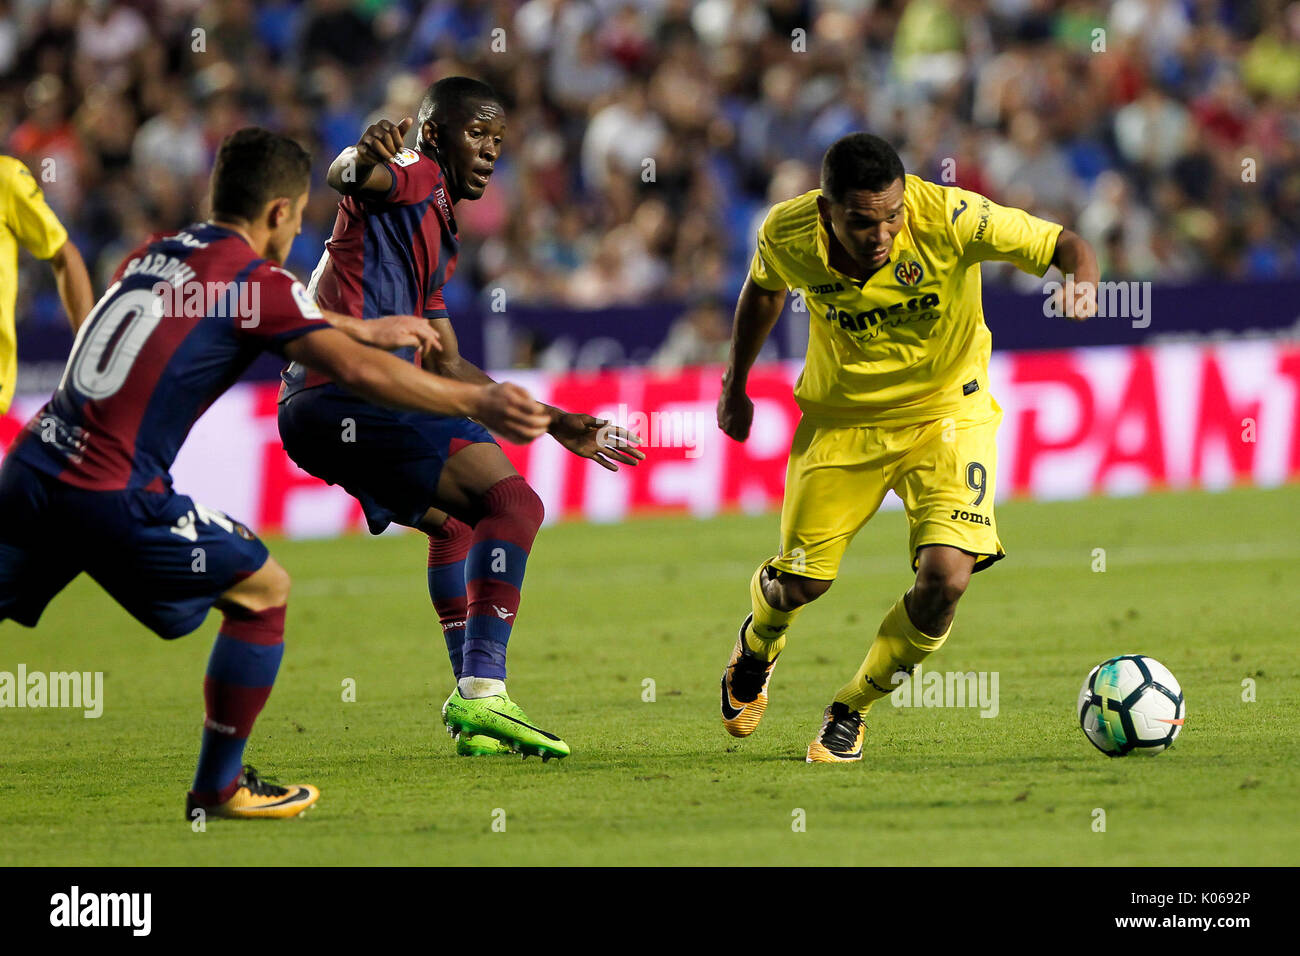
x: 185, y: 315
x: 387, y: 256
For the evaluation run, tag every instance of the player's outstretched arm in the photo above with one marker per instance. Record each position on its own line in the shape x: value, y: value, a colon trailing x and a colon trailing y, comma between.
x: 73, y: 282
x: 358, y: 169
x: 1075, y: 257
x: 756, y: 314
x: 387, y: 380
x: 587, y: 437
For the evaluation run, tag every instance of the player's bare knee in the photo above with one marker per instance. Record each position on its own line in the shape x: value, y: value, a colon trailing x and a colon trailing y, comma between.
x: 277, y: 591
x: 942, y: 575
x: 796, y: 591
x: 938, y: 585
x: 266, y: 588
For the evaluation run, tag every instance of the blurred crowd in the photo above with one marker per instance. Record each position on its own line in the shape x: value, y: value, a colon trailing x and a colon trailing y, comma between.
x: 647, y: 137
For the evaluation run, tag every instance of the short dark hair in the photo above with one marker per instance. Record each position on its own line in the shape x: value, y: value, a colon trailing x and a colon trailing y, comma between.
x: 255, y: 166
x: 451, y: 93
x: 859, y: 161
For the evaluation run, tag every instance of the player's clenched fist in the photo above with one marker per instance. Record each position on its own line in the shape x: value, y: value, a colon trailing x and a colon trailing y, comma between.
x: 1084, y: 304
x: 1076, y: 300
x: 511, y: 412
x: 382, y: 141
x: 735, y: 413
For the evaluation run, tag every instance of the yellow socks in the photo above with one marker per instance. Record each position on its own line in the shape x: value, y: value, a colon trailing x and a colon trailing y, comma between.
x: 765, y: 635
x: 898, y: 646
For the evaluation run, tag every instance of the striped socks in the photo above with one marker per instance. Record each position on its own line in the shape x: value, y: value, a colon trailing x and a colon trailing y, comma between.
x: 241, y: 670
x: 494, y: 573
x: 448, y: 548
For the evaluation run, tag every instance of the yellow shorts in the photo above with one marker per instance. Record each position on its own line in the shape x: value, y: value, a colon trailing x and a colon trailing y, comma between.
x: 945, y: 472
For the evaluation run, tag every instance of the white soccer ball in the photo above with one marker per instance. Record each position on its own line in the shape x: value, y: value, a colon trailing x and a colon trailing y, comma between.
x: 1131, y: 703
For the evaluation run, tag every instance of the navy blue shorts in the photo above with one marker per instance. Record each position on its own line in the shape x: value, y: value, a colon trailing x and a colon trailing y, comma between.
x: 388, y: 460
x: 161, y: 556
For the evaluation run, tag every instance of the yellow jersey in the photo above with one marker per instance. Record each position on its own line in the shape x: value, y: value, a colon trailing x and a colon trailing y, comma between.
x: 24, y: 218
x: 909, y: 343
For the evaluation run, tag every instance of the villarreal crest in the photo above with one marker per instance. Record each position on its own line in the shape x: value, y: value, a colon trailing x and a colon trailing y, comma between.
x: 908, y: 271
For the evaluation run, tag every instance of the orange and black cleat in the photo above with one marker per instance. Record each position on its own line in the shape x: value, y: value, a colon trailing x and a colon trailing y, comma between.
x: 840, y: 739
x: 257, y: 799
x: 744, y: 687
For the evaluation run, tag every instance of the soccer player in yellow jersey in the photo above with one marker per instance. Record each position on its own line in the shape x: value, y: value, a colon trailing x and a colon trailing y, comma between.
x: 26, y: 219
x: 894, y: 395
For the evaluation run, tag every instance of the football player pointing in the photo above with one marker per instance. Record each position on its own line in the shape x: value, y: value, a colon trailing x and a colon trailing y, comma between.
x: 894, y: 395
x: 394, y: 247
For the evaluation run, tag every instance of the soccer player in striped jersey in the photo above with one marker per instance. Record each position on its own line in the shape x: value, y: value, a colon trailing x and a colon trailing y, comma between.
x: 394, y: 246
x: 894, y: 395
x: 86, y: 486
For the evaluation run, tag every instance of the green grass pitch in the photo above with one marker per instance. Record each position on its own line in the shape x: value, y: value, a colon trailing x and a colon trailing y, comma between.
x: 1206, y: 583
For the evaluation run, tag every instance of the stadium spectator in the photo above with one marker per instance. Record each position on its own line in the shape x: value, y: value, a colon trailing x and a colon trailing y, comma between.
x: 701, y: 336
x: 1078, y: 109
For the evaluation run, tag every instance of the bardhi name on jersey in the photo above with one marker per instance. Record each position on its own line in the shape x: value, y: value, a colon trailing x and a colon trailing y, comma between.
x: 146, y: 365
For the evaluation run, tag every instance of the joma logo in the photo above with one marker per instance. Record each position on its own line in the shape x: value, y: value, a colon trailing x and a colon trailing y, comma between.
x: 986, y: 210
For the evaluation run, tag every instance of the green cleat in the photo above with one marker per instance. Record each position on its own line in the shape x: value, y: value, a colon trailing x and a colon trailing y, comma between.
x: 477, y: 745
x: 501, y: 718
x: 481, y: 745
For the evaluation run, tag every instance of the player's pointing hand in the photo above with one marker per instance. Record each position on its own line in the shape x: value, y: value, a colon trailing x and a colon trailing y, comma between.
x: 382, y: 141
x: 511, y: 412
